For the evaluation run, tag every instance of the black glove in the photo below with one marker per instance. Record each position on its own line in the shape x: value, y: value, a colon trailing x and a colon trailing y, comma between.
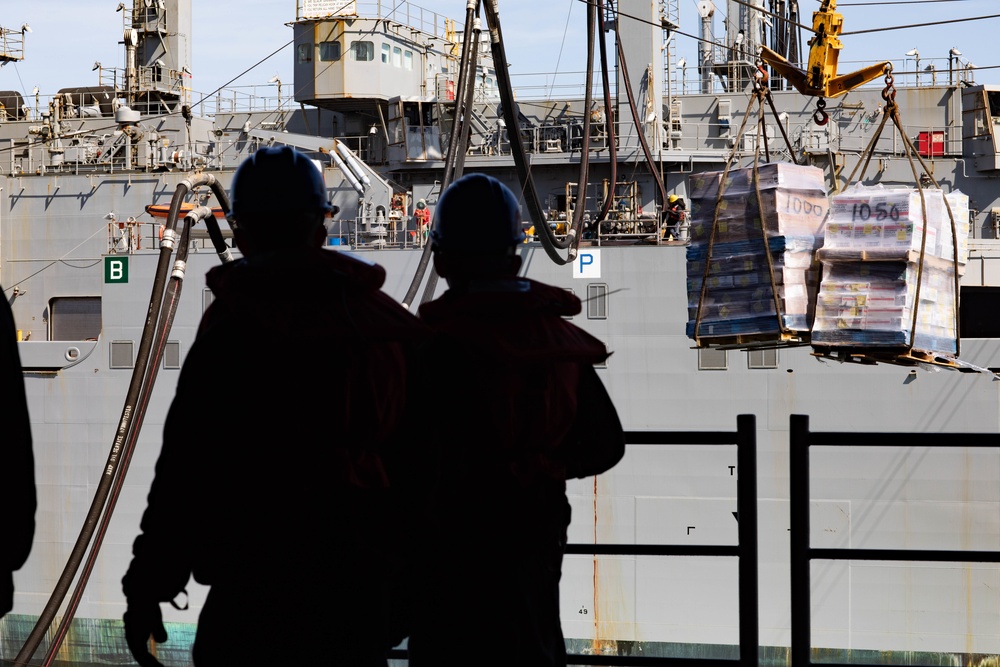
x: 6, y: 592
x: 141, y: 621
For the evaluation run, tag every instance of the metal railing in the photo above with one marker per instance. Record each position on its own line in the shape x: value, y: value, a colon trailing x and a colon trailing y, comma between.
x: 745, y: 439
x: 801, y: 439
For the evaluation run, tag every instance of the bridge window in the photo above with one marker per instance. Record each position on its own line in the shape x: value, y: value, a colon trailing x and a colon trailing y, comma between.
x: 407, y: 59
x: 75, y: 317
x: 305, y: 53
x: 397, y: 56
x: 329, y: 51
x: 386, y: 49
x: 363, y: 51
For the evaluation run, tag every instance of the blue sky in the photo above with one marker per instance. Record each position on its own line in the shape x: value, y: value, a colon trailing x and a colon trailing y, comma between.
x: 68, y: 36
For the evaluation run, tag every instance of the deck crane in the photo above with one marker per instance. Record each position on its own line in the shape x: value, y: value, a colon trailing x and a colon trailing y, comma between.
x: 821, y: 79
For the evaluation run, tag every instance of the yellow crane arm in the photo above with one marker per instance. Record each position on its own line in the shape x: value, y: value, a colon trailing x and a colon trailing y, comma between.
x: 821, y: 78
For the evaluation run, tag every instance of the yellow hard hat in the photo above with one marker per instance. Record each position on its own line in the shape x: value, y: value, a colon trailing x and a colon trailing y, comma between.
x: 673, y: 198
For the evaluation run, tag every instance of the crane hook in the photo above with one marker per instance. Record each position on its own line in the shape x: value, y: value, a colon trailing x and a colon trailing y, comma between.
x: 821, y: 117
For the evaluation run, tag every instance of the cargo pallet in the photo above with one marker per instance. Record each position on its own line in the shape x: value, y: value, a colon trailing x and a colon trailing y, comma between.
x: 900, y: 356
x: 754, y: 341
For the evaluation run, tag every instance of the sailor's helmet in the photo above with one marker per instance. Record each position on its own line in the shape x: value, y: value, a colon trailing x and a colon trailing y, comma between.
x: 275, y: 182
x: 477, y: 214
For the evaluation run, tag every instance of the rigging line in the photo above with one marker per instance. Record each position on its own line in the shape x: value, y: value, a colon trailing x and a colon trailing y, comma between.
x: 894, y: 2
x: 387, y: 19
x: 57, y: 260
x: 639, y: 19
x: 18, y: 72
x: 777, y: 16
x: 921, y: 25
x: 707, y: 41
x: 562, y: 45
x: 254, y: 66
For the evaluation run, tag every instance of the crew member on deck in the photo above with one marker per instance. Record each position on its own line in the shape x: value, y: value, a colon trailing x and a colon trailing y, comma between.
x: 422, y: 216
x: 674, y: 218
x: 17, y: 468
x: 273, y: 485
x: 517, y: 410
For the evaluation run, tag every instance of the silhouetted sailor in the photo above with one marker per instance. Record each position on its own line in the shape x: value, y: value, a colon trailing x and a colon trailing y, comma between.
x: 271, y: 486
x: 17, y: 467
x: 517, y: 409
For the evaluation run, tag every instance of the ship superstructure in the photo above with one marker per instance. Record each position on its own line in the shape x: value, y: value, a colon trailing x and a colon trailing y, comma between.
x: 88, y: 172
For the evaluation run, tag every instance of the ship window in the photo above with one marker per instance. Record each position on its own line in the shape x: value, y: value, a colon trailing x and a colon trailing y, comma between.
x: 121, y: 354
x: 385, y: 53
x: 712, y: 360
x: 75, y: 317
x: 363, y: 51
x: 407, y: 59
x: 207, y: 297
x: 978, y: 312
x: 329, y: 51
x: 762, y: 358
x: 994, y: 99
x: 172, y: 354
x: 397, y: 56
x: 411, y: 112
x: 597, y: 301
x: 305, y: 53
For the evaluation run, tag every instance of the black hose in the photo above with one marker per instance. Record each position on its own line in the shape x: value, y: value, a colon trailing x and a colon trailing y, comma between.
x: 114, y: 460
x: 588, y: 100
x: 172, y: 298
x: 609, y: 116
x: 470, y: 98
x: 464, y: 79
x: 466, y: 73
x: 511, y: 117
x: 638, y: 126
x: 126, y: 435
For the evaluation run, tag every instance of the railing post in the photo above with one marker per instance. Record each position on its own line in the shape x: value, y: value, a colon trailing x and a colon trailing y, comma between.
x: 746, y: 512
x: 798, y: 482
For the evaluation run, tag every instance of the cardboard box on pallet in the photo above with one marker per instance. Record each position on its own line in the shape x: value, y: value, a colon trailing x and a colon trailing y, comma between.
x: 873, y: 283
x: 800, y: 213
x: 887, y: 223
x: 790, y: 214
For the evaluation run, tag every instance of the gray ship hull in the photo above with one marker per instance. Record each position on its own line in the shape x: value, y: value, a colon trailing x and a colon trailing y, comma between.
x: 78, y: 253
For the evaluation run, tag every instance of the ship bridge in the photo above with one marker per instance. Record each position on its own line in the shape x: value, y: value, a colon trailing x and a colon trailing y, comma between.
x: 346, y: 62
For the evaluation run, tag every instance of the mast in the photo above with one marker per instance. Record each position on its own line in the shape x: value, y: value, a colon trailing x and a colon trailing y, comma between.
x: 157, y: 37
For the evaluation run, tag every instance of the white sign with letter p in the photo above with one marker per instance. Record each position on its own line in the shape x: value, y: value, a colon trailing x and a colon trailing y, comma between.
x: 588, y: 264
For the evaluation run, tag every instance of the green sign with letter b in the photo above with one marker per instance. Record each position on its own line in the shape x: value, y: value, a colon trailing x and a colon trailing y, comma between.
x: 116, y: 269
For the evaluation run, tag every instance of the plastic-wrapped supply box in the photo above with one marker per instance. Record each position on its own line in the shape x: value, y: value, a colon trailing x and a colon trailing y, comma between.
x: 872, y: 283
x: 739, y: 301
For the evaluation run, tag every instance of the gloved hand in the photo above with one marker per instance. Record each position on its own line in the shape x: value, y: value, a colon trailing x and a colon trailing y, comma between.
x: 6, y: 592
x: 141, y: 621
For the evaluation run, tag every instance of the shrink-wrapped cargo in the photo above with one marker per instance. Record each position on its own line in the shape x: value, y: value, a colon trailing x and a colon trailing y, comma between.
x: 753, y: 289
x: 875, y: 291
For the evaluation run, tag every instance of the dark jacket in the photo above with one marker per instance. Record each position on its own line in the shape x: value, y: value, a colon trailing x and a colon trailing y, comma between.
x: 17, y: 468
x: 517, y: 409
x: 271, y: 486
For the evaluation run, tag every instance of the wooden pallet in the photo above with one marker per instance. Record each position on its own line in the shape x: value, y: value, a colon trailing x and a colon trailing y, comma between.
x: 761, y: 341
x: 899, y: 356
